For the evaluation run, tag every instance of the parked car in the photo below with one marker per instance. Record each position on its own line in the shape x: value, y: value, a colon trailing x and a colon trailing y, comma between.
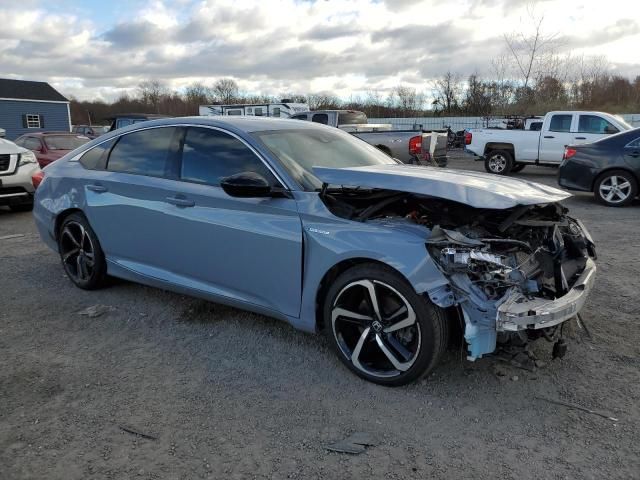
x: 610, y: 168
x: 410, y: 146
x: 122, y: 120
x: 306, y: 223
x: 19, y: 174
x: 50, y: 146
x: 506, y: 151
x: 91, y: 131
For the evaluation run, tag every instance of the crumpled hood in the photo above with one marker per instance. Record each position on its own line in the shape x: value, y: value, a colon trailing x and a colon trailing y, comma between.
x: 479, y: 190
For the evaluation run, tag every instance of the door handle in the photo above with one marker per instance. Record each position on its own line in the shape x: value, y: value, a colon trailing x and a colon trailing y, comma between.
x: 549, y: 136
x: 581, y: 138
x: 97, y: 188
x: 180, y: 201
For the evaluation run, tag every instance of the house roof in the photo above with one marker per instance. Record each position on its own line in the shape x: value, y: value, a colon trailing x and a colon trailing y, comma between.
x: 28, y: 90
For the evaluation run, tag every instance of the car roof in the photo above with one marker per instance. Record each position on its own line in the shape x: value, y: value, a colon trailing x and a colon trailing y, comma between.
x: 232, y: 123
x: 44, y: 134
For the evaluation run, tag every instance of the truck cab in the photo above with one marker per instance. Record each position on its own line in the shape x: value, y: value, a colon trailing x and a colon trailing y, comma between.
x: 506, y: 151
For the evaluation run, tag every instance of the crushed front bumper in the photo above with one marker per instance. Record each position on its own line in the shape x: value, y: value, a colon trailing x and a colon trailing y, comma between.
x: 520, y: 313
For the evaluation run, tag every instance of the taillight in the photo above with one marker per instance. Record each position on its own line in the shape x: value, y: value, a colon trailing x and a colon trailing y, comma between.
x: 568, y: 153
x: 37, y: 178
x: 468, y: 136
x: 415, y: 145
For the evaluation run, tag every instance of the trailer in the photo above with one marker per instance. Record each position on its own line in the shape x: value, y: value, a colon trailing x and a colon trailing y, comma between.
x: 284, y: 109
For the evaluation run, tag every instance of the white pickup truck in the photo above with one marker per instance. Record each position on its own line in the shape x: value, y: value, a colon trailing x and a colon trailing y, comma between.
x: 506, y: 151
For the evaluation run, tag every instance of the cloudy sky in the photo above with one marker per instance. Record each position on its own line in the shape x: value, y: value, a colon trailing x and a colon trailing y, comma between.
x: 98, y: 49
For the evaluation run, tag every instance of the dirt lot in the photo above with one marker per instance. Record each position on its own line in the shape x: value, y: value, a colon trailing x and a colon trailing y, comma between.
x: 227, y: 394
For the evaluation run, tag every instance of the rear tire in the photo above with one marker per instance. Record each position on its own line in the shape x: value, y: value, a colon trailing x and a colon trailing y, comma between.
x: 380, y: 328
x: 81, y: 254
x: 615, y: 188
x: 518, y: 167
x: 498, y: 162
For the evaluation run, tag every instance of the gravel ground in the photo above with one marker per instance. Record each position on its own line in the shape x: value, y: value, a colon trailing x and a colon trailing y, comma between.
x: 228, y: 394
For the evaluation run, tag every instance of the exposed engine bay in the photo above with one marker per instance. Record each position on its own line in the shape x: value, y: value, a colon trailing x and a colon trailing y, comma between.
x: 520, y: 271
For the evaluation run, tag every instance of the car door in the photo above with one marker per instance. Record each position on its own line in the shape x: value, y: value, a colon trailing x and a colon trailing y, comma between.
x: 632, y: 155
x: 128, y: 198
x: 556, y: 136
x: 247, y: 249
x: 591, y: 127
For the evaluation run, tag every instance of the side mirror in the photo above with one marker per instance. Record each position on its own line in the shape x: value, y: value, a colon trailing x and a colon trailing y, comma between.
x: 246, y: 185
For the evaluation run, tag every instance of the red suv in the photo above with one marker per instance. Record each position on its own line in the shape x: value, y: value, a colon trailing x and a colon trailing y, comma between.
x: 50, y: 146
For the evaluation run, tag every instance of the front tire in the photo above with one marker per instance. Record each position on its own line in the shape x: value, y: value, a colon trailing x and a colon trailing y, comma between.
x: 380, y: 328
x: 81, y: 254
x: 498, y: 162
x: 615, y: 188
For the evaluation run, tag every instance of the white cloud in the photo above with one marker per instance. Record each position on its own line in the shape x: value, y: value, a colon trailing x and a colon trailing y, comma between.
x: 274, y: 46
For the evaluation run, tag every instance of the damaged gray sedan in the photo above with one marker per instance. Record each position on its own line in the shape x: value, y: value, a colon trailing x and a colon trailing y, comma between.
x: 310, y: 225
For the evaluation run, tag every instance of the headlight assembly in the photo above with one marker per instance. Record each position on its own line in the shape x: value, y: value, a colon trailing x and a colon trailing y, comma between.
x: 26, y: 158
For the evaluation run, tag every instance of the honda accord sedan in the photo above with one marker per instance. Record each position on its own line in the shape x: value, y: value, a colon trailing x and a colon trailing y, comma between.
x: 307, y: 224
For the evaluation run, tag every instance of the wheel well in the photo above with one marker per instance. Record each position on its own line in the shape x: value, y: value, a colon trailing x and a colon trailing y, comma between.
x: 384, y: 148
x: 490, y: 147
x: 333, y: 273
x: 60, y: 218
x: 624, y: 169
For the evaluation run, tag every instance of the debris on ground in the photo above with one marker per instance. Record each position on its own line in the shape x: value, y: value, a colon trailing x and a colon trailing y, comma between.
x: 95, y: 311
x: 355, y: 443
x: 134, y: 431
x: 15, y: 235
x: 579, y: 407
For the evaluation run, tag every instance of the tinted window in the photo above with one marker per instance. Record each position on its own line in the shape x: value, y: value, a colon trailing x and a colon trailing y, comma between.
x: 96, y: 158
x: 145, y: 152
x: 595, y: 124
x: 560, y: 123
x: 209, y: 155
x: 32, y: 143
x: 321, y: 118
x: 352, y: 118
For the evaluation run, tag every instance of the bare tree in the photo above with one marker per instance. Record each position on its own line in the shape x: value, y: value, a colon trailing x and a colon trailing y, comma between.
x: 198, y: 94
x: 409, y: 101
x: 151, y: 92
x: 446, y: 92
x: 226, y: 90
x: 528, y: 50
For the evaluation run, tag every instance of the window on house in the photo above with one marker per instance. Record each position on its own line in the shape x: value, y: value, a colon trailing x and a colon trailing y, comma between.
x: 33, y: 120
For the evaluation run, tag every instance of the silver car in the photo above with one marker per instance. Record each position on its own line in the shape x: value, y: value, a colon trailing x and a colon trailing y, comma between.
x: 18, y: 166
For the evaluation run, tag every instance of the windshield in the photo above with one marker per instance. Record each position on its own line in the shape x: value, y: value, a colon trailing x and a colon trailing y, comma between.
x: 64, y: 142
x: 301, y: 150
x: 352, y: 118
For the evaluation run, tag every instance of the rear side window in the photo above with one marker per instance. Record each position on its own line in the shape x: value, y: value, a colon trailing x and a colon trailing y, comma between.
x: 595, y: 124
x: 352, y: 118
x: 209, y: 155
x: 146, y: 152
x: 560, y: 123
x: 32, y: 143
x: 96, y: 158
x: 321, y: 118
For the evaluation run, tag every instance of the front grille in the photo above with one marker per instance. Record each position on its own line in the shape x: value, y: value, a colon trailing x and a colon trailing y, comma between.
x: 4, y: 162
x: 8, y: 190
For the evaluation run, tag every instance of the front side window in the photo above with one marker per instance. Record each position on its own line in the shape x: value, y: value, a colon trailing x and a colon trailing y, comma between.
x: 321, y: 118
x: 145, y: 152
x: 124, y: 122
x: 301, y: 150
x: 209, y: 155
x: 560, y: 123
x: 33, y: 121
x: 595, y: 124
